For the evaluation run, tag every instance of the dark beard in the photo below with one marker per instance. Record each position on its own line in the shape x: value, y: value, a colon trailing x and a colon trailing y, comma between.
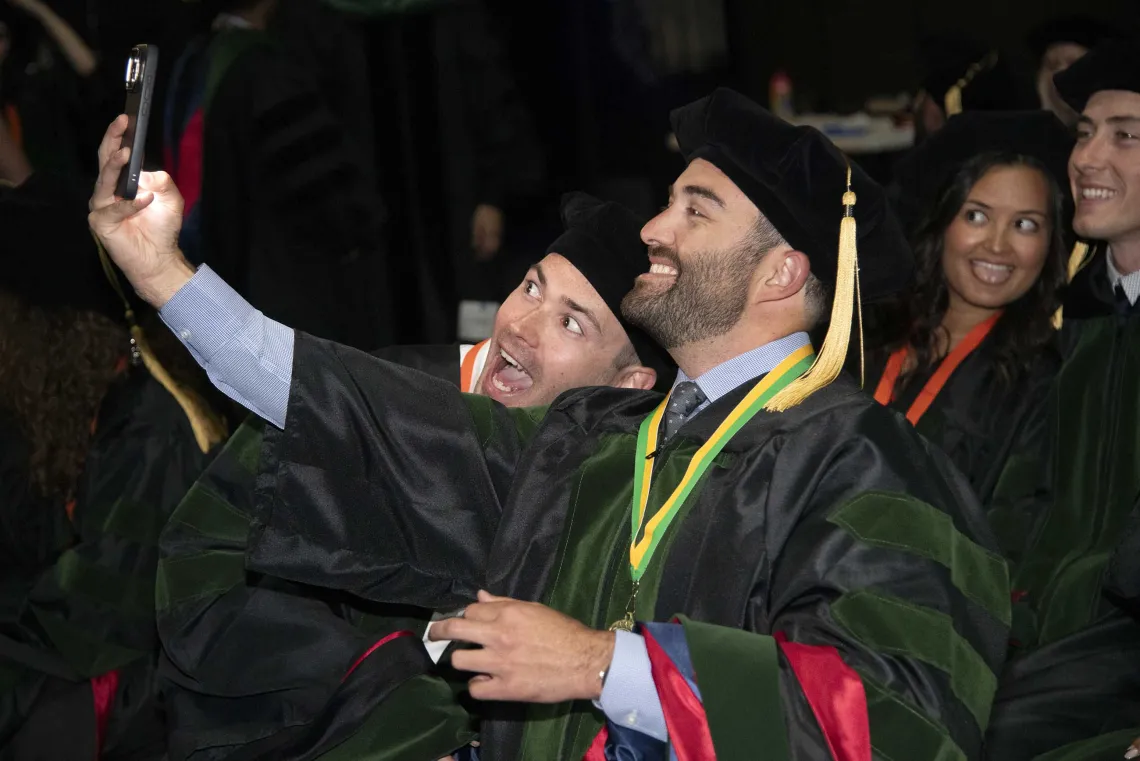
x: 705, y: 301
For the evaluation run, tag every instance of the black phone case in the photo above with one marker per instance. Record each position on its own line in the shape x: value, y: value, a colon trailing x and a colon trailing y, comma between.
x: 140, y: 98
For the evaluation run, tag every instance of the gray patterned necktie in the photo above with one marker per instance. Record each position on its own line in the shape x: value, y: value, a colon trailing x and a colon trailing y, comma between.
x: 687, y: 396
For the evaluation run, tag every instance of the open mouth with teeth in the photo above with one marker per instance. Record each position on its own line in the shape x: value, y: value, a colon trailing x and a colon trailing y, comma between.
x: 1097, y: 194
x: 659, y: 272
x: 507, y: 376
x: 991, y: 273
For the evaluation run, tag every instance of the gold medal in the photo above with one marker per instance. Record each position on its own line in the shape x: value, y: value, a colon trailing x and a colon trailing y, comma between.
x: 626, y: 622
x: 623, y: 624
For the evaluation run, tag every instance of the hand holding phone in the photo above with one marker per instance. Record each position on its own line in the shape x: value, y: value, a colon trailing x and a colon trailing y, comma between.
x: 142, y: 65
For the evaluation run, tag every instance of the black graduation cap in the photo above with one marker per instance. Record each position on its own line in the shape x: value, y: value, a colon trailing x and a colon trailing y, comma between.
x: 964, y: 75
x: 1112, y: 66
x: 813, y: 194
x: 1078, y: 29
x: 51, y: 259
x: 924, y: 172
x: 603, y: 241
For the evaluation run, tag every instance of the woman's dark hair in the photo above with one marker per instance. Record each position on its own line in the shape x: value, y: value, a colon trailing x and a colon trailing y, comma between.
x: 55, y: 367
x: 1025, y: 327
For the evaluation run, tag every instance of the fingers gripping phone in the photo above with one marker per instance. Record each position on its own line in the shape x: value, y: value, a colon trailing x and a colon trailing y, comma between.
x: 141, y: 69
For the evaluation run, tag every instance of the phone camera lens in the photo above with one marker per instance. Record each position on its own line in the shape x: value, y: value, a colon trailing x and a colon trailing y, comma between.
x: 134, y: 67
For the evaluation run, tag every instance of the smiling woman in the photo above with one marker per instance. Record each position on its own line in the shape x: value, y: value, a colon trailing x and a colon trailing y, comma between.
x: 968, y: 352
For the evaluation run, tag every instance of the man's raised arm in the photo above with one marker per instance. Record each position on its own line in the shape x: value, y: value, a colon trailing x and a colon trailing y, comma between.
x: 383, y: 464
x: 248, y: 356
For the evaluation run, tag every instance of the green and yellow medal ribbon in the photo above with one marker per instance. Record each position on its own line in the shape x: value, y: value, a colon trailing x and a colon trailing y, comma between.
x: 641, y: 550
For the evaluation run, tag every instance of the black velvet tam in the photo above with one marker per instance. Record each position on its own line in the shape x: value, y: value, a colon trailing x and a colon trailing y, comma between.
x: 923, y: 174
x: 1112, y: 66
x: 603, y: 242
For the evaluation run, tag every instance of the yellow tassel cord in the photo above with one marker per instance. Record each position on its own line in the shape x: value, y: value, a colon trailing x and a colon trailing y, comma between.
x: 833, y: 354
x: 1077, y: 261
x: 209, y: 430
x: 953, y: 99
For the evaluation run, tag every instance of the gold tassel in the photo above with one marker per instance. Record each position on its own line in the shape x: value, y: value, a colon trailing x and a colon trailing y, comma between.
x: 833, y: 354
x: 1077, y: 260
x: 953, y: 99
x: 208, y: 428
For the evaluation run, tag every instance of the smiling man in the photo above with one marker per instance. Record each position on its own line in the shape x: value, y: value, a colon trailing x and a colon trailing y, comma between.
x: 1061, y: 513
x: 830, y: 569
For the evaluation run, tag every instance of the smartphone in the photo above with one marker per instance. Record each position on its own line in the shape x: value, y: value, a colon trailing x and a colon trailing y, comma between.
x: 142, y: 66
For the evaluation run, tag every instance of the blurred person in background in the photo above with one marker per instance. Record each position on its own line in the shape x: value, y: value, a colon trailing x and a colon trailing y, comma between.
x: 462, y: 168
x: 1056, y: 44
x: 14, y: 166
x: 961, y: 74
x: 279, y: 190
x: 47, y: 86
x: 968, y: 352
x: 323, y: 42
x: 98, y: 444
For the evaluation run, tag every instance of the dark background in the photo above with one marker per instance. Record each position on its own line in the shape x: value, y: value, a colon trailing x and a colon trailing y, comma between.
x: 839, y: 52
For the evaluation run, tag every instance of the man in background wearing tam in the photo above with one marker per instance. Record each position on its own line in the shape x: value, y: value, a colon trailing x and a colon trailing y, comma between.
x: 1056, y: 45
x: 832, y: 573
x: 1068, y: 516
x: 961, y: 74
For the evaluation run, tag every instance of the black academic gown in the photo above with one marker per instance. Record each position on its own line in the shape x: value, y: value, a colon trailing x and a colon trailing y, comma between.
x: 82, y: 604
x: 289, y: 212
x: 1072, y: 686
x: 833, y: 523
x: 978, y: 418
x: 212, y: 616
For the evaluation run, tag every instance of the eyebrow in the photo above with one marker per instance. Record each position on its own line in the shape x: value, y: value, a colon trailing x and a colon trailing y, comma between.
x: 1118, y: 119
x: 703, y: 192
x: 987, y: 207
x: 576, y: 307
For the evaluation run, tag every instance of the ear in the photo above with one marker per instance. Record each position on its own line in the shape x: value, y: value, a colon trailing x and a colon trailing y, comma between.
x: 785, y: 276
x: 636, y: 376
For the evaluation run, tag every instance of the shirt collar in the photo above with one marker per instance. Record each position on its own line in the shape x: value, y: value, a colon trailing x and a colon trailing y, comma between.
x: 744, y: 367
x: 1130, y: 282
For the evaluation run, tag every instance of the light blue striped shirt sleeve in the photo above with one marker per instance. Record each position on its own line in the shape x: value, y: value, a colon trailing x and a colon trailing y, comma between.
x: 630, y: 696
x: 248, y: 356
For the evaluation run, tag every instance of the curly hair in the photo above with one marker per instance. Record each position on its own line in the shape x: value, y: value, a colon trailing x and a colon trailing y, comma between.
x: 55, y: 368
x: 1025, y: 326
